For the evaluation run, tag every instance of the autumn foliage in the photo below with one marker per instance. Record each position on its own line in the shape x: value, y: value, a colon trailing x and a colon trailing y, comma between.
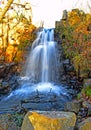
x: 76, y: 42
x: 16, y: 32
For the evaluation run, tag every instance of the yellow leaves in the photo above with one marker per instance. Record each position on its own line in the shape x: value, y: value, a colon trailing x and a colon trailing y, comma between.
x: 27, y: 33
x: 77, y: 42
x: 74, y: 20
x: 88, y: 17
x: 74, y: 17
x: 79, y: 61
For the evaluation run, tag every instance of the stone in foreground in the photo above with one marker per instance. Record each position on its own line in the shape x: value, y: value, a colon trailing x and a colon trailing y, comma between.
x: 49, y: 120
x: 85, y: 125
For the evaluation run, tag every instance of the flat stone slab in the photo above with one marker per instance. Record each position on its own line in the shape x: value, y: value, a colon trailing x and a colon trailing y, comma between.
x: 49, y: 120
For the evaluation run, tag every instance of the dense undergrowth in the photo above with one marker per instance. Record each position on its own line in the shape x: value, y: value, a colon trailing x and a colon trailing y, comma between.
x: 74, y: 30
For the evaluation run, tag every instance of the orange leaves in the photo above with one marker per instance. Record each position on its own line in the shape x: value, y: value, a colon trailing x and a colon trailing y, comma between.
x: 82, y: 28
x: 75, y: 45
x: 10, y: 52
x: 77, y: 42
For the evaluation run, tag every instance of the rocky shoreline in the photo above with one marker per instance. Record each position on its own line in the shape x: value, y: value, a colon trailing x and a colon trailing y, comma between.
x: 80, y: 108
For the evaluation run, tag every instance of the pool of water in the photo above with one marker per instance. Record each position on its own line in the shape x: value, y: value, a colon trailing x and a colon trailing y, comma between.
x: 39, y: 96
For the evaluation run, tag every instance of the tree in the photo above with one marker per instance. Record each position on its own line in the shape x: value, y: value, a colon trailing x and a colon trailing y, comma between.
x: 17, y: 31
x: 76, y: 40
x: 6, y: 9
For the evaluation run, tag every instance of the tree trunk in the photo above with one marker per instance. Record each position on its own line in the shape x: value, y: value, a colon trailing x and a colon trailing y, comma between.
x: 5, y: 9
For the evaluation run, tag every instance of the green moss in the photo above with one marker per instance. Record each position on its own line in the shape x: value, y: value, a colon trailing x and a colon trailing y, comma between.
x: 79, y: 96
x: 86, y: 91
x: 17, y: 118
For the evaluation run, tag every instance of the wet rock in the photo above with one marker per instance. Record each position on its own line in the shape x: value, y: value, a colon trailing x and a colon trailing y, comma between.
x: 63, y: 78
x: 5, y: 84
x: 7, y: 69
x: 52, y: 120
x: 8, y: 85
x: 73, y: 106
x: 2, y: 71
x: 68, y: 78
x: 68, y: 67
x: 38, y: 106
x: 85, y: 125
x: 66, y: 62
x: 83, y: 112
x: 87, y: 82
x: 13, y: 81
x: 87, y: 105
x: 4, y: 87
x: 41, y: 102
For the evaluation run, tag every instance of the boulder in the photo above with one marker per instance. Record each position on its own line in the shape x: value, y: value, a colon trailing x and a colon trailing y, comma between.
x: 85, y: 125
x: 7, y: 122
x: 49, y: 120
x: 87, y: 105
x: 73, y: 106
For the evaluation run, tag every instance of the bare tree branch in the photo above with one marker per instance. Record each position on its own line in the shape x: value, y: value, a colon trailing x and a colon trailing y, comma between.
x: 89, y: 6
x: 4, y: 11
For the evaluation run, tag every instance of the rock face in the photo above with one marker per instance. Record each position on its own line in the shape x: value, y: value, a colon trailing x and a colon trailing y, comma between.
x: 49, y: 120
x: 8, y: 77
x: 85, y: 125
x: 7, y: 69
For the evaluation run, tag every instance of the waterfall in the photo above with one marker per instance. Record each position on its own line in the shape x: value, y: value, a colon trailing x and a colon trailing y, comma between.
x: 38, y: 85
x: 41, y: 65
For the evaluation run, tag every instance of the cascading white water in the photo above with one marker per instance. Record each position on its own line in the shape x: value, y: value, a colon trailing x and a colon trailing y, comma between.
x: 41, y: 67
x: 42, y: 59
